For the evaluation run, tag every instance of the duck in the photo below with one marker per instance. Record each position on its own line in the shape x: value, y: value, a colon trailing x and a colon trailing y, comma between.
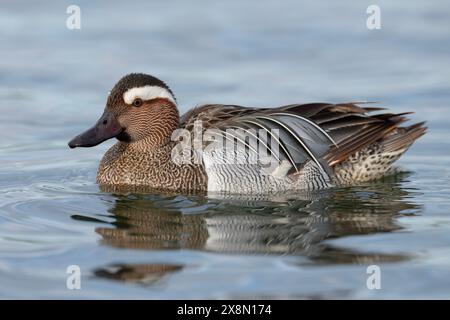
x: 224, y: 148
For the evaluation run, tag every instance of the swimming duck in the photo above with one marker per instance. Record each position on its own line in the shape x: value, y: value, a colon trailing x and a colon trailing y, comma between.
x: 236, y: 149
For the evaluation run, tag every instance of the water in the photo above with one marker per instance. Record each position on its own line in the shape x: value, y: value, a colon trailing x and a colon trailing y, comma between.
x: 54, y: 82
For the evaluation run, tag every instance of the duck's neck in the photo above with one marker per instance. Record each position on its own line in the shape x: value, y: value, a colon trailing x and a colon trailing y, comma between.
x: 147, y: 145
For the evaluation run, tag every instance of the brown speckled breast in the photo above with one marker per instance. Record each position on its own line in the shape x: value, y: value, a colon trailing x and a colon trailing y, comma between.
x: 123, y: 166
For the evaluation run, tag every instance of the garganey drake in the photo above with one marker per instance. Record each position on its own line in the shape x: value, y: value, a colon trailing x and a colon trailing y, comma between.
x: 243, y: 150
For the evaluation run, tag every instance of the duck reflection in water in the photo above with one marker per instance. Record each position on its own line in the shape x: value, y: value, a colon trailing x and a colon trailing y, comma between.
x: 277, y: 225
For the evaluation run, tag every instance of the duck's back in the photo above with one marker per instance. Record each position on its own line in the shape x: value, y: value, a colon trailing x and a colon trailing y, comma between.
x: 308, y: 146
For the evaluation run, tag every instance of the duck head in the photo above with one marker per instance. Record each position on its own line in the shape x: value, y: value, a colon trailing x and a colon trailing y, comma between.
x: 139, y: 107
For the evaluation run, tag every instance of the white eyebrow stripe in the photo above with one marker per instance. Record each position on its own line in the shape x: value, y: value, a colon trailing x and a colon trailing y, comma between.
x: 147, y: 93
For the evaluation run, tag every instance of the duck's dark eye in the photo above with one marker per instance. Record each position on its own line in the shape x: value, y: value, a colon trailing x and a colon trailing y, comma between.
x: 137, y: 102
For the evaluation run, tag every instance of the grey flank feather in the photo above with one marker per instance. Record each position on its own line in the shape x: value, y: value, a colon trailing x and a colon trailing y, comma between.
x: 306, y: 135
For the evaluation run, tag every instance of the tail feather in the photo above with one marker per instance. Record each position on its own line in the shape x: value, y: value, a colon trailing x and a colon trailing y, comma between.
x: 404, y: 137
x: 377, y: 159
